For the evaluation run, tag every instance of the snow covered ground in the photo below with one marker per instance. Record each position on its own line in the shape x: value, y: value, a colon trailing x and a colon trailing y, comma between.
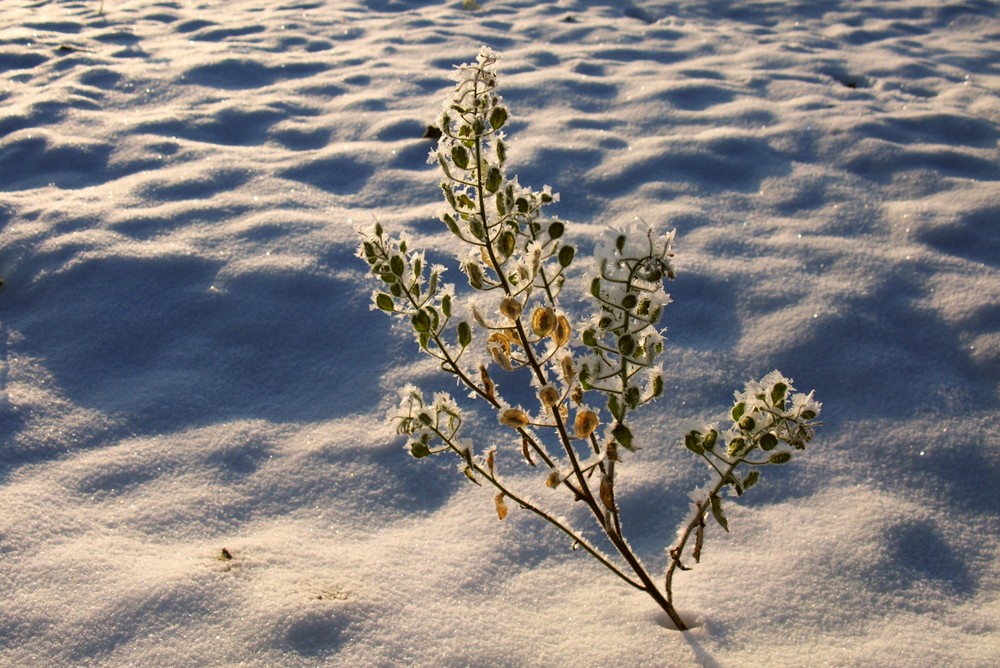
x: 189, y: 368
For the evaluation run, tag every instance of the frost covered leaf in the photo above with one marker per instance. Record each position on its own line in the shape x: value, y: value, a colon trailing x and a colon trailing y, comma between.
x: 419, y: 449
x: 421, y: 322
x: 384, y: 302
x: 717, y: 511
x: 498, y: 117
x: 623, y: 435
x: 464, y: 334
x: 494, y: 179
x: 460, y: 156
x: 692, y: 441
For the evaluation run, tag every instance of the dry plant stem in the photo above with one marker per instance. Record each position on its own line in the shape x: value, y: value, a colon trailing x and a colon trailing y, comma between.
x: 613, y: 530
x: 701, y: 508
x: 527, y: 505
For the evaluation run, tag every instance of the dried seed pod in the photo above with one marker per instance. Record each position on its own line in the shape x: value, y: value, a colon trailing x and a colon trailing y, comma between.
x: 514, y: 417
x: 499, y: 348
x: 549, y: 396
x: 488, y: 386
x: 543, y: 321
x: 568, y: 371
x: 510, y: 308
x: 501, y: 506
x: 607, y: 493
x: 562, y: 331
x: 585, y: 424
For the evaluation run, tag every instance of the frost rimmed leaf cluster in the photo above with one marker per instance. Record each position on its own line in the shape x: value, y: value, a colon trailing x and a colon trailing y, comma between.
x: 516, y: 264
x: 623, y: 337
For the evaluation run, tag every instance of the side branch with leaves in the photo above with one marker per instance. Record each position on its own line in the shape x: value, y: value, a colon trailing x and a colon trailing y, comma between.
x: 516, y: 264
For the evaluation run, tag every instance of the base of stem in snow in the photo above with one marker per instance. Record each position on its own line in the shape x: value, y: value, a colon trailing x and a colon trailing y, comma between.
x: 691, y: 619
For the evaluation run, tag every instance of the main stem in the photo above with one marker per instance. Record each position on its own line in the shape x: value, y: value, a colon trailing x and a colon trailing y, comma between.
x: 612, y: 532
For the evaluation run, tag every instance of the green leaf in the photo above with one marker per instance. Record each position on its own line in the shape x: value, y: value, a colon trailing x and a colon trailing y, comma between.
x: 460, y: 156
x: 780, y: 458
x: 506, y: 243
x: 692, y: 441
x: 501, y: 151
x: 595, y: 287
x: 737, y: 447
x: 556, y: 230
x: 421, y: 322
x: 632, y: 397
x: 475, y: 275
x: 464, y: 334
x: 477, y: 229
x: 419, y: 450
x: 738, y: 411
x: 494, y: 179
x: 384, y: 302
x: 590, y: 338
x: 657, y: 386
x: 626, y: 344
x: 751, y: 479
x: 566, y: 254
x: 449, y: 195
x: 717, y: 511
x: 629, y: 301
x: 498, y: 117
x: 446, y: 305
x: 778, y: 395
x: 396, y: 265
x: 615, y: 407
x: 768, y: 442
x: 623, y: 435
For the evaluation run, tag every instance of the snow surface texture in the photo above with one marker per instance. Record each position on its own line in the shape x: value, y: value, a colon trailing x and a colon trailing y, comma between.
x: 188, y: 362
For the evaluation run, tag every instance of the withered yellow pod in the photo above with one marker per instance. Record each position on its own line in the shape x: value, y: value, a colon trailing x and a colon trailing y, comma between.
x: 585, y: 424
x: 543, y: 321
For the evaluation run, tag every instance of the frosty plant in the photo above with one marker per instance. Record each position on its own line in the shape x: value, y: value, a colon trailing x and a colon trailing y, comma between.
x: 588, y: 379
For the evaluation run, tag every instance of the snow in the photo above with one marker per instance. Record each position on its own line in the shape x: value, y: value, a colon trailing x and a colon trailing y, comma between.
x: 189, y: 367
